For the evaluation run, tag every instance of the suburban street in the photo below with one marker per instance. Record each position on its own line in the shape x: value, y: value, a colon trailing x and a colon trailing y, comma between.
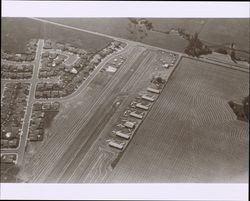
x: 20, y: 150
x: 77, y: 135
x: 31, y: 99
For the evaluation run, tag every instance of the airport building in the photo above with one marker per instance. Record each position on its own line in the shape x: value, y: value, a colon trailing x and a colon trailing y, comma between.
x: 141, y: 106
x: 145, y: 97
x: 138, y: 116
x: 116, y: 145
x: 157, y: 91
x: 122, y: 135
x: 129, y: 124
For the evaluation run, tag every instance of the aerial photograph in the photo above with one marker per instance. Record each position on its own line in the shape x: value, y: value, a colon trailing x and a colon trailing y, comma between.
x: 125, y: 100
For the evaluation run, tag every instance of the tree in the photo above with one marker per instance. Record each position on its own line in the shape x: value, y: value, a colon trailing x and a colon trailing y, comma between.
x: 246, y: 106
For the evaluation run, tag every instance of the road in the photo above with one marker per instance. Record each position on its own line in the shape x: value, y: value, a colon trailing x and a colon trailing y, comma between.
x: 94, y: 126
x: 91, y: 77
x: 33, y: 81
x: 65, y: 136
x: 207, y: 59
x: 20, y: 150
x: 204, y: 57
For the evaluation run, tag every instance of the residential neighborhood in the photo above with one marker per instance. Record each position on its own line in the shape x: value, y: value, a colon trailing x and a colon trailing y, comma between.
x: 16, y: 71
x: 39, y: 117
x: 27, y: 56
x: 13, y: 107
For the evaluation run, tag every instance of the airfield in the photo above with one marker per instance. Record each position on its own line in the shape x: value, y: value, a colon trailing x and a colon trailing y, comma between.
x: 188, y: 133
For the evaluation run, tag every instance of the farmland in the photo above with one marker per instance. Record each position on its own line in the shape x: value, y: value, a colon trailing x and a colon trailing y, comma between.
x: 119, y: 27
x: 18, y: 31
x: 190, y: 135
x: 227, y: 30
x: 167, y: 113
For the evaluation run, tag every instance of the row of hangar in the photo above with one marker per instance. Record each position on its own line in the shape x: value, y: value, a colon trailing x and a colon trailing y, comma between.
x: 131, y: 125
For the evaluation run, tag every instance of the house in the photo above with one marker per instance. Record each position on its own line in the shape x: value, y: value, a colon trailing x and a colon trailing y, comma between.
x: 4, y: 143
x: 49, y: 86
x: 37, y: 106
x: 13, y: 143
x: 166, y: 65
x: 47, y: 94
x: 96, y: 59
x: 55, y: 106
x: 50, y: 74
x: 19, y: 76
x: 52, y: 55
x: 40, y: 86
x: 35, y: 136
x: 73, y: 70
x: 13, y: 75
x: 54, y: 94
x: 45, y: 54
x: 8, y: 158
x: 39, y: 94
x: 43, y: 74
x: 60, y: 46
x: 30, y: 58
x: 46, y: 106
x: 27, y: 68
x: 20, y: 68
x: 27, y: 75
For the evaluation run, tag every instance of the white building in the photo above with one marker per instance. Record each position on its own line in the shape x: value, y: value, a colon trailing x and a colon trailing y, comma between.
x: 145, y: 97
x: 116, y: 145
x: 129, y: 124
x: 138, y: 116
x: 122, y: 135
x: 141, y: 106
x: 157, y: 91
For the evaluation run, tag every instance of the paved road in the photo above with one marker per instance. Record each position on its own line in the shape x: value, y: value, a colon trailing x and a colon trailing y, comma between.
x: 75, y: 125
x: 206, y: 59
x: 20, y: 150
x: 25, y: 129
x: 91, y: 77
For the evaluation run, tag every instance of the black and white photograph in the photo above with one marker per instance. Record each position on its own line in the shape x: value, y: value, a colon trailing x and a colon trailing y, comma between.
x: 119, y: 100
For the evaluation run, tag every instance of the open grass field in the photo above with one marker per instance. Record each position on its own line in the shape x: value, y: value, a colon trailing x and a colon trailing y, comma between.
x: 119, y: 27
x: 16, y: 32
x: 191, y: 134
x: 223, y: 31
x: 213, y: 31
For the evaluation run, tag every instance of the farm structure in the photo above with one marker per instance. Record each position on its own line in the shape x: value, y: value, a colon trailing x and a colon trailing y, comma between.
x: 198, y: 137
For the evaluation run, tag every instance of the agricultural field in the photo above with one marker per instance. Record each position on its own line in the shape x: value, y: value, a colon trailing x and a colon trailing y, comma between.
x: 226, y: 31
x: 18, y: 31
x: 191, y: 134
x: 168, y: 112
x: 120, y: 27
